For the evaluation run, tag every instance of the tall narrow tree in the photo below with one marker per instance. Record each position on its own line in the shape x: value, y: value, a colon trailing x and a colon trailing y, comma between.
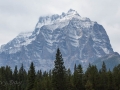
x: 31, y: 77
x: 103, y: 76
x: 59, y: 80
x: 22, y: 78
x: 79, y: 83
x: 15, y: 78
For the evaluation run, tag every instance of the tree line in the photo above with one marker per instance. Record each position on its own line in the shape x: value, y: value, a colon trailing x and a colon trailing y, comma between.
x: 60, y: 78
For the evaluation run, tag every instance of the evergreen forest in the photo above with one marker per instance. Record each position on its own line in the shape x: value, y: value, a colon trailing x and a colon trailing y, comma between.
x: 60, y: 78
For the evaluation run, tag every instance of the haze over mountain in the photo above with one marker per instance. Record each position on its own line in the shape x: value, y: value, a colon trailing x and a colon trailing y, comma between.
x: 80, y: 41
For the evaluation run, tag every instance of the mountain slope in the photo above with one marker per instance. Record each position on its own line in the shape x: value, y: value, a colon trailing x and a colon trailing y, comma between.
x: 110, y: 60
x: 79, y: 39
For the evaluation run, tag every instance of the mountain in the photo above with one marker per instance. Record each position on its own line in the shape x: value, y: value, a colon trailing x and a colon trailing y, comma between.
x: 80, y: 41
x: 110, y: 60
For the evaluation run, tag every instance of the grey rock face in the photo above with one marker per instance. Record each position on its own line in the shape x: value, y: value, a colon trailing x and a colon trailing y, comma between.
x: 110, y: 60
x: 80, y: 40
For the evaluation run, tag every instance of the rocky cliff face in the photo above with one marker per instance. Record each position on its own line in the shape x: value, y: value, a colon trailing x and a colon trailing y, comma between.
x: 80, y: 40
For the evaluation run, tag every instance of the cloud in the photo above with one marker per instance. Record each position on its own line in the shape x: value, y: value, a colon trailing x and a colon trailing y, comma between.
x: 22, y: 15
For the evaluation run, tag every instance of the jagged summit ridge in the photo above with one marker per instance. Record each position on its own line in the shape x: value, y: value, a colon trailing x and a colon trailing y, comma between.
x: 46, y: 20
x: 59, y: 21
x: 72, y: 12
x: 79, y: 39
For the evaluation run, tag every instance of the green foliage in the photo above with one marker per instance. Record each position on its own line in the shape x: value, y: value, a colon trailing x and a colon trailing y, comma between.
x: 92, y: 75
x: 103, y: 77
x: 78, y: 77
x: 59, y: 73
x: 59, y: 78
x: 110, y: 84
x: 31, y: 77
x: 116, y: 77
x: 88, y: 86
x: 69, y: 80
x: 22, y: 78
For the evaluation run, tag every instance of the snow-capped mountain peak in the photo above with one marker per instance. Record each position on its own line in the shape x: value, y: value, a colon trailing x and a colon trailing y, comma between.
x: 72, y: 12
x: 79, y: 39
x: 53, y: 18
x: 57, y: 21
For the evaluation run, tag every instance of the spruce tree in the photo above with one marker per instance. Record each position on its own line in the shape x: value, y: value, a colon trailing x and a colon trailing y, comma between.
x: 15, y: 74
x: 69, y: 80
x: 92, y: 75
x: 88, y: 86
x: 22, y: 78
x: 15, y: 78
x: 116, y: 77
x: 103, y: 76
x: 79, y: 84
x: 78, y: 77
x: 104, y: 69
x: 59, y: 80
x: 110, y: 85
x: 31, y: 77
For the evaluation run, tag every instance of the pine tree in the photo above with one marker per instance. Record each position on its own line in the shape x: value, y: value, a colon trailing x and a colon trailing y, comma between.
x: 110, y: 84
x: 103, y: 77
x: 75, y: 76
x: 39, y: 80
x: 59, y: 80
x: 92, y: 75
x: 78, y: 78
x: 79, y: 84
x: 15, y: 74
x: 103, y: 69
x: 69, y: 80
x: 89, y: 86
x: 31, y: 77
x: 2, y: 78
x: 15, y: 78
x: 116, y: 77
x: 22, y: 78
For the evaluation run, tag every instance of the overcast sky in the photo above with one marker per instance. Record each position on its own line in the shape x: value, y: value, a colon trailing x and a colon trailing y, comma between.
x: 18, y: 16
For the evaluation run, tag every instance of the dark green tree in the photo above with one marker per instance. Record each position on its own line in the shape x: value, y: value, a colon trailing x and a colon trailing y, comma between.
x: 15, y: 74
x: 78, y: 78
x: 15, y: 78
x: 92, y: 75
x: 31, y: 77
x: 110, y: 85
x: 22, y: 78
x: 116, y: 77
x: 103, y: 69
x: 69, y: 80
x: 59, y: 73
x: 2, y: 78
x: 38, y: 80
x: 103, y: 77
x: 89, y: 86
